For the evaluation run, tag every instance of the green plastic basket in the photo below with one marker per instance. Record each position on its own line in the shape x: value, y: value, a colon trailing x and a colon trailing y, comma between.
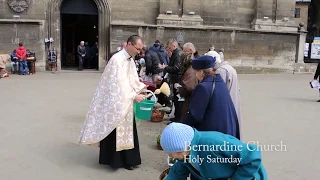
x: 143, y: 110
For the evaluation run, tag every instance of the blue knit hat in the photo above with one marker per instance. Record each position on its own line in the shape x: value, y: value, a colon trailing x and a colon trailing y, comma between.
x: 142, y: 61
x: 203, y: 62
x: 175, y: 137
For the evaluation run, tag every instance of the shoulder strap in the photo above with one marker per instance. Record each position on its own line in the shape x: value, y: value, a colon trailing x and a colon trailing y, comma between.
x: 213, y: 86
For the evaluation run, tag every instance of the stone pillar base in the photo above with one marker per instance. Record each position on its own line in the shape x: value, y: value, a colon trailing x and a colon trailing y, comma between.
x: 160, y: 34
x: 185, y: 20
x: 309, y: 68
x: 279, y: 25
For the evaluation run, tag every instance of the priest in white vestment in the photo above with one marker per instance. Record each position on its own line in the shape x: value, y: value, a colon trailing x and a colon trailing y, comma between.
x: 110, y: 122
x: 230, y: 77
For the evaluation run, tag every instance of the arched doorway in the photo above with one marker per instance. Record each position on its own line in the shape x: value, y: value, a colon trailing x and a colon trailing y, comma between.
x: 79, y: 22
x: 96, y: 15
x: 313, y: 33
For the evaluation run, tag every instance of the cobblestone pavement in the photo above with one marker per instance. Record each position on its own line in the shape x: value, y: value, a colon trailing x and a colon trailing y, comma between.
x: 41, y: 117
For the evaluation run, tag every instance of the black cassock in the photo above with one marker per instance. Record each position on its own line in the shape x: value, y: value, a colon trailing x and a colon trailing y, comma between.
x: 109, y: 155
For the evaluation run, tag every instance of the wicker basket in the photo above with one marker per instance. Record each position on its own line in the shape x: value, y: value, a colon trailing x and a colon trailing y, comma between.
x: 157, y: 116
x: 163, y: 174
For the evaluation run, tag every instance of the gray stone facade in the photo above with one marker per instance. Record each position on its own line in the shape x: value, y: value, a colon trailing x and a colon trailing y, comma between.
x: 254, y: 33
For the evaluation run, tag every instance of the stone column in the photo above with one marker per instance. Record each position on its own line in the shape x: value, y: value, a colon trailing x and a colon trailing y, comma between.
x: 191, y: 19
x: 264, y: 9
x: 180, y: 13
x: 285, y: 10
x: 264, y: 14
x: 169, y: 5
x: 160, y: 34
x: 275, y: 15
x: 191, y: 6
x: 300, y: 47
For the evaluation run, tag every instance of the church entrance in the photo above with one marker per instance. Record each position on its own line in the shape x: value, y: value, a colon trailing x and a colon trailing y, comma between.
x: 79, y: 22
x: 312, y: 49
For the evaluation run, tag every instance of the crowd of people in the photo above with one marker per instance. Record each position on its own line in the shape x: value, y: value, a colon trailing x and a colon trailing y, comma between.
x: 173, y: 64
x: 205, y: 96
x: 20, y: 58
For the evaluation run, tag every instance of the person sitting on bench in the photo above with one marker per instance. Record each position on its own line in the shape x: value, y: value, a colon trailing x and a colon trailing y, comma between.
x: 4, y: 58
x: 14, y: 62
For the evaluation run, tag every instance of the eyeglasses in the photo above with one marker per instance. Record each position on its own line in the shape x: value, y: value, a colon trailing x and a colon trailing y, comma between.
x: 137, y: 48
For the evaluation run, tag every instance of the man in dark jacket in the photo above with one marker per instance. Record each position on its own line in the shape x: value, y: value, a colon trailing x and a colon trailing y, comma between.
x: 81, y: 55
x: 173, y: 69
x: 88, y: 56
x: 161, y: 51
x: 95, y: 55
x: 152, y: 62
x: 156, y: 46
x: 163, y: 56
x: 317, y: 75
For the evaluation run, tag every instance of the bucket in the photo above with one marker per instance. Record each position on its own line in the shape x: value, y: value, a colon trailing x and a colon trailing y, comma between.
x: 143, y: 110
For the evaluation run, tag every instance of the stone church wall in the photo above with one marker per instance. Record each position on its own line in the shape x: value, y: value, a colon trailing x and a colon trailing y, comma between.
x: 242, y: 48
x: 226, y: 24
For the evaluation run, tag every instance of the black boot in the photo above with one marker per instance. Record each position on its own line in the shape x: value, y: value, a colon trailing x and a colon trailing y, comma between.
x: 130, y: 168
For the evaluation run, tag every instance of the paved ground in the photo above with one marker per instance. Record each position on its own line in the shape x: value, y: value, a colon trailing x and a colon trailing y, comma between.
x: 41, y: 117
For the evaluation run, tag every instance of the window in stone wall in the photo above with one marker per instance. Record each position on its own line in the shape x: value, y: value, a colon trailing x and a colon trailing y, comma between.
x: 297, y: 13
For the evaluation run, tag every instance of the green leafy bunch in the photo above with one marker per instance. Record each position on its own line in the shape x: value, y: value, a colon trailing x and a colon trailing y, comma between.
x: 158, y: 138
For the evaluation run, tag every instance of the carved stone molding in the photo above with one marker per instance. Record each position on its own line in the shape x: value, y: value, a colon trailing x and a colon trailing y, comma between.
x: 19, y: 5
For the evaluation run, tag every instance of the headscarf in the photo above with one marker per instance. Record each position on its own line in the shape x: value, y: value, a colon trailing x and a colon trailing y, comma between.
x: 215, y: 55
x: 186, y: 61
x: 221, y: 56
x: 221, y: 53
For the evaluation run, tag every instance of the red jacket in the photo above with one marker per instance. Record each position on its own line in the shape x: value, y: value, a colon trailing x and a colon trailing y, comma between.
x: 21, y: 53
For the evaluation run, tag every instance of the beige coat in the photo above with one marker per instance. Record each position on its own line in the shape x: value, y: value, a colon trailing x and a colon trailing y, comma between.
x: 230, y: 76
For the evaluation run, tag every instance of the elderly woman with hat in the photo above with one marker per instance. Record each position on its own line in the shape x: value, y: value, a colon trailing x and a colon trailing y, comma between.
x: 210, y: 155
x: 211, y: 107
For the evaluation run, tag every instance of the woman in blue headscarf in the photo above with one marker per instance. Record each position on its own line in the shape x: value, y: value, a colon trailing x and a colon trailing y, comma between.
x: 211, y: 107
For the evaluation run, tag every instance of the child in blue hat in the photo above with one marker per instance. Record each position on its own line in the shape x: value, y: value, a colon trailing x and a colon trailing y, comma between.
x: 210, y: 155
x: 142, y: 73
